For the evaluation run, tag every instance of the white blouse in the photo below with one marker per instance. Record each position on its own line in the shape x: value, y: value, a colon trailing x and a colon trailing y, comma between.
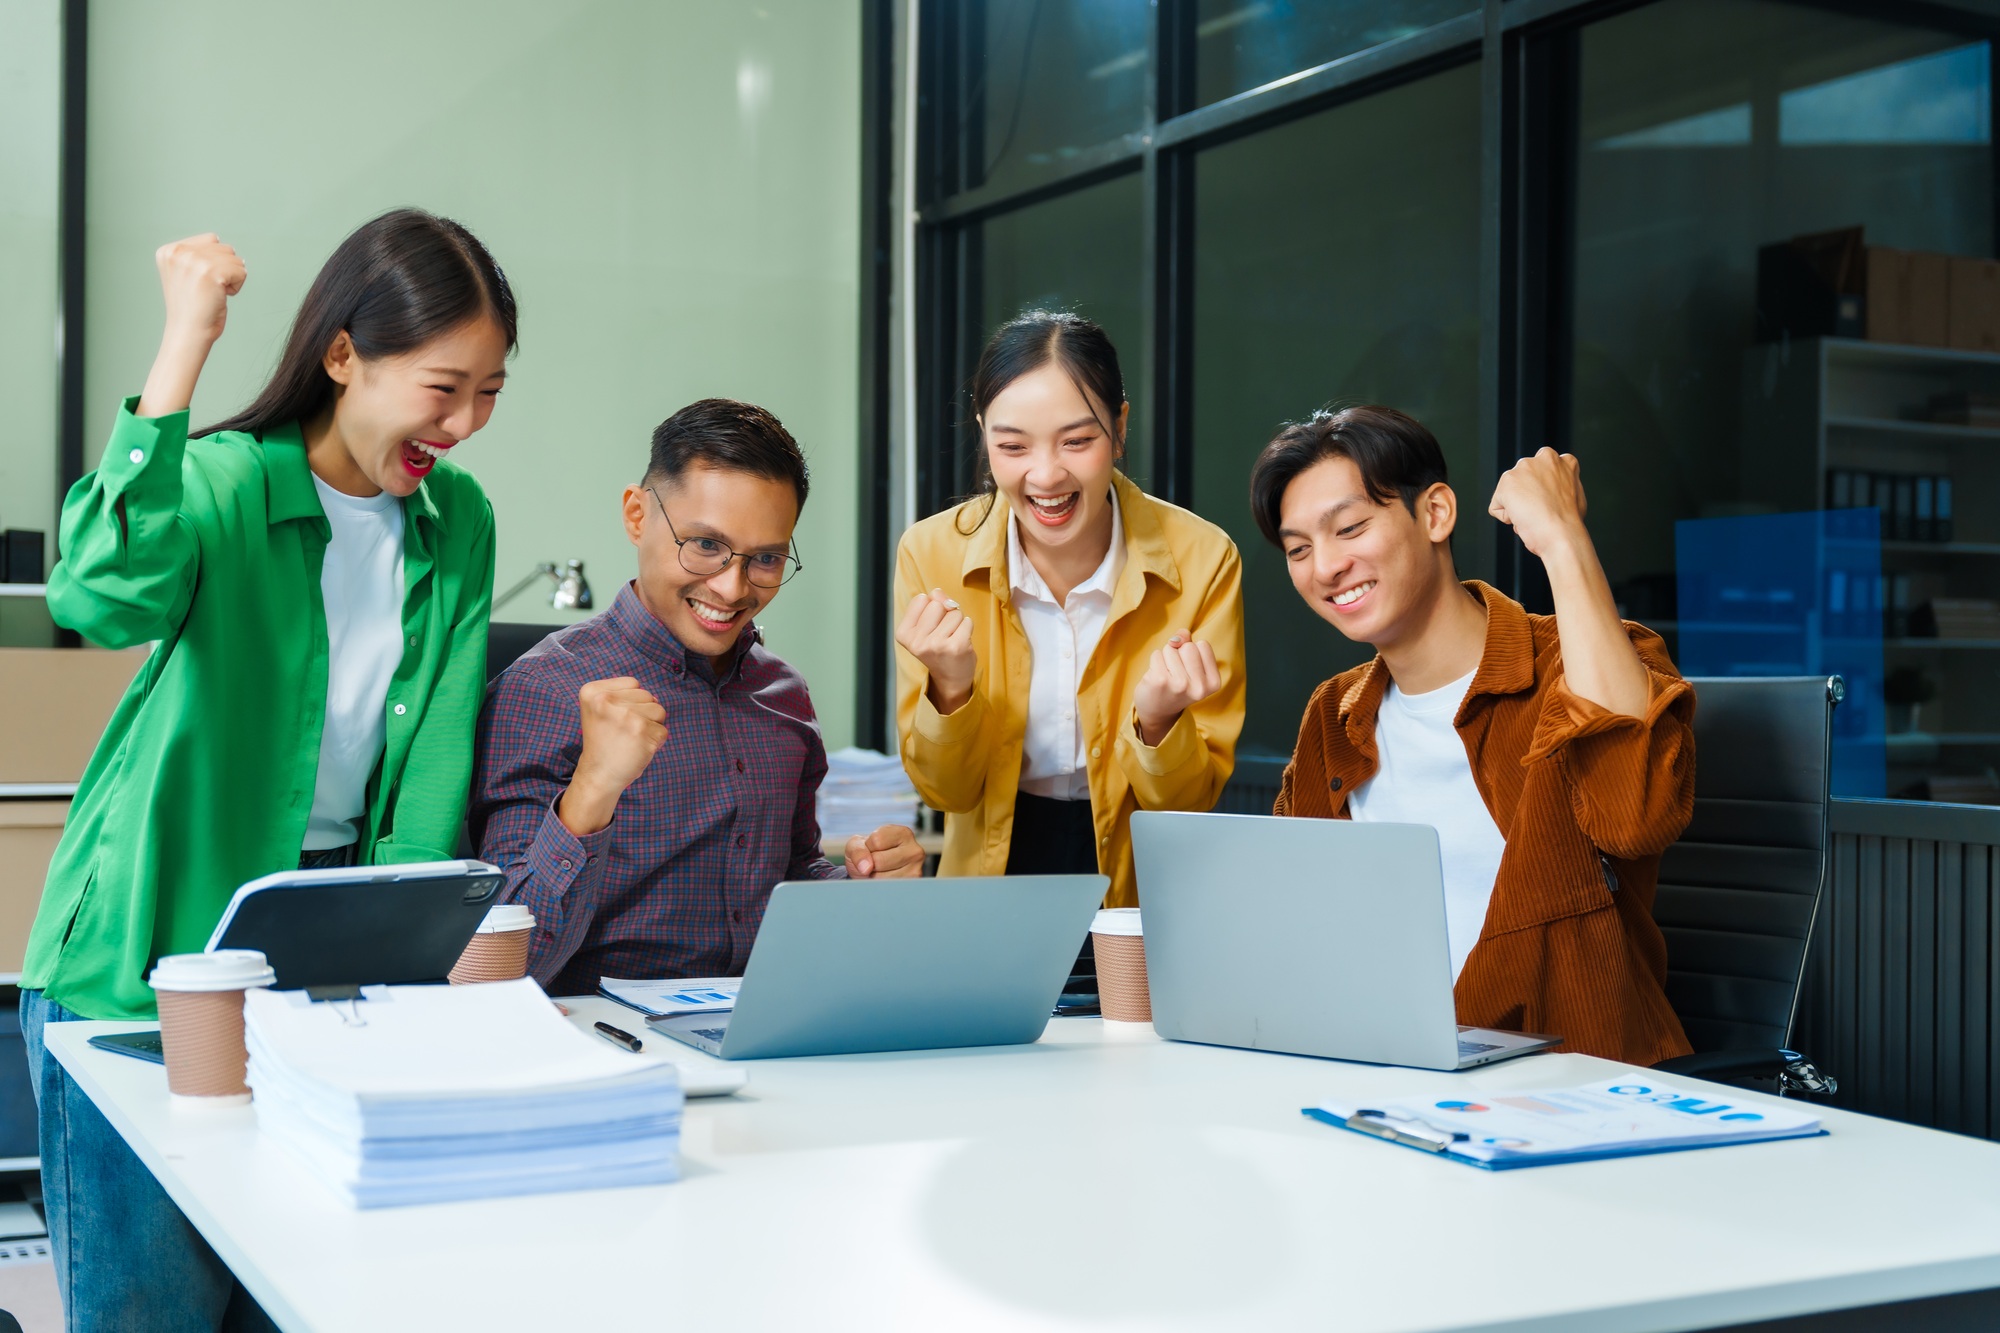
x: 1061, y: 638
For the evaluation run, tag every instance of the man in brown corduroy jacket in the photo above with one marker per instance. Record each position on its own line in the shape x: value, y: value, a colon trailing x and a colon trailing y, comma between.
x: 1553, y: 754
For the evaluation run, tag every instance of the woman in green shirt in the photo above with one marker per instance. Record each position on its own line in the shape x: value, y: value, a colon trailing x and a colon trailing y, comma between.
x: 316, y: 576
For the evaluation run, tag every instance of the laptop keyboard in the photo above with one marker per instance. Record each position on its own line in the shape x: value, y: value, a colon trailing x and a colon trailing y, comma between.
x: 1476, y: 1047
x: 715, y: 1034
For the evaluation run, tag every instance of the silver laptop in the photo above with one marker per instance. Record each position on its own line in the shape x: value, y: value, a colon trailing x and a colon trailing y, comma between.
x: 845, y: 966
x: 1310, y: 936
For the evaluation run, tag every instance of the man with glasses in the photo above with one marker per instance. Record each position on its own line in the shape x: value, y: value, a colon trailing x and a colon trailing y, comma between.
x: 645, y: 777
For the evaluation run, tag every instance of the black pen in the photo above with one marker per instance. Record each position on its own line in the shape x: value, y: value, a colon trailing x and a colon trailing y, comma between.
x: 619, y: 1035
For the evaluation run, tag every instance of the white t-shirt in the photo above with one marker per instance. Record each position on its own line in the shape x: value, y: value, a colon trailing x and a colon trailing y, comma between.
x: 1061, y: 638
x: 1425, y: 778
x: 362, y: 584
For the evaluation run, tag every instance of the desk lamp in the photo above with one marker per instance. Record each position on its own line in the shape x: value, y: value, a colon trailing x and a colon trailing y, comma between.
x: 571, y: 593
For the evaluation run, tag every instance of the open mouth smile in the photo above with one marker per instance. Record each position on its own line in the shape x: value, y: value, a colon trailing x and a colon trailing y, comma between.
x: 420, y: 456
x: 1348, y: 600
x: 715, y: 619
x: 1053, y: 510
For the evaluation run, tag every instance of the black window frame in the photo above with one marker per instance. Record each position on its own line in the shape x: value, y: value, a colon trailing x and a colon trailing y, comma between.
x: 1528, y: 54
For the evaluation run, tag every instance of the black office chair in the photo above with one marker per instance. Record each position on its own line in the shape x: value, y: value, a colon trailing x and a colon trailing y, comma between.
x: 1740, y: 891
x: 507, y: 640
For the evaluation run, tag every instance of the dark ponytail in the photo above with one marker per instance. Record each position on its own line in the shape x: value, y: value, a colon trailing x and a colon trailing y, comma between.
x: 1028, y: 342
x: 393, y: 285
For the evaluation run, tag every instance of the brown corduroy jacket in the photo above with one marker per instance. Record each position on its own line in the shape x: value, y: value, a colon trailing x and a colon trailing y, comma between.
x: 1587, y: 800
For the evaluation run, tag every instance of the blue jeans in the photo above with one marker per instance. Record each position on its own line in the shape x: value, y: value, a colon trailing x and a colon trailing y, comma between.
x: 126, y: 1258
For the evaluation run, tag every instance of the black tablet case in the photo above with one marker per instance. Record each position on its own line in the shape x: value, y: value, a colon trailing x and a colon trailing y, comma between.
x: 388, y: 931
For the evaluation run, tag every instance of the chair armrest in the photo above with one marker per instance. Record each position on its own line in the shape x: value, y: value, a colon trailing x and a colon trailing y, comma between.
x: 1727, y: 1066
x: 1789, y: 1070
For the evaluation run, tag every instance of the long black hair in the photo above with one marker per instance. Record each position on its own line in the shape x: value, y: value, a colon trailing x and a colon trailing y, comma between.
x: 395, y: 284
x: 1034, y: 339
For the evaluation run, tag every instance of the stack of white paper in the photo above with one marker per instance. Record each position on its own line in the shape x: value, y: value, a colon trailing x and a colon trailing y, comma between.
x: 862, y: 791
x: 416, y: 1094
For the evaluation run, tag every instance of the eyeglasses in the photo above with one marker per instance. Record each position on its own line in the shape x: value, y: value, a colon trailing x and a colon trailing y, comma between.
x: 710, y: 555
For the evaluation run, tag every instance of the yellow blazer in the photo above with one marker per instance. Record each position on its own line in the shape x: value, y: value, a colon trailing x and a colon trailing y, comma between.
x: 1181, y: 572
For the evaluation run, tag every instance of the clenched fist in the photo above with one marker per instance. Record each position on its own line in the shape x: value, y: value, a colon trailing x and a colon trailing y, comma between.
x: 1181, y: 675
x: 623, y: 728
x: 939, y: 635
x: 890, y: 852
x: 197, y: 277
x: 1541, y: 498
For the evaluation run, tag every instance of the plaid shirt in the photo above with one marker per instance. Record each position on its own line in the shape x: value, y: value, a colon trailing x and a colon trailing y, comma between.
x: 676, y: 885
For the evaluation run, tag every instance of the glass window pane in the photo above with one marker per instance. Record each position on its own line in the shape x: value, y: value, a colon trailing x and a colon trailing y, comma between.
x: 1244, y: 44
x: 1336, y: 261
x: 1078, y: 252
x: 30, y: 91
x: 1054, y: 77
x: 1710, y: 129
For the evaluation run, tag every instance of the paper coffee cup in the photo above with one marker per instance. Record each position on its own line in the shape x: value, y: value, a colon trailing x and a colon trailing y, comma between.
x: 201, y: 1022
x: 499, y: 949
x: 1121, y: 966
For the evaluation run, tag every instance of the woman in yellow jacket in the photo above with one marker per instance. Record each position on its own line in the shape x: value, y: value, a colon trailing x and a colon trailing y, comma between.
x: 1071, y: 648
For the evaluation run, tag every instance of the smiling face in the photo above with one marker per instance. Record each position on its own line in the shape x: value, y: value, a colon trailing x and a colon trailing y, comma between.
x: 393, y: 417
x: 1371, y: 569
x: 707, y: 508
x: 1052, y: 458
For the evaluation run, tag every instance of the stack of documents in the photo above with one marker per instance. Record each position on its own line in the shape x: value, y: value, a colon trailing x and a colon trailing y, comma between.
x: 862, y: 791
x: 1620, y: 1117
x: 417, y: 1094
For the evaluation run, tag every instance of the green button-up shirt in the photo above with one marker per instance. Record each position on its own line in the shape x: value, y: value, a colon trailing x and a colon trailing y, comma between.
x: 204, y: 777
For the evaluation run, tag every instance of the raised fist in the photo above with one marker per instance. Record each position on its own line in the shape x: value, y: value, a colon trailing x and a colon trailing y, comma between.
x: 198, y: 276
x: 939, y: 635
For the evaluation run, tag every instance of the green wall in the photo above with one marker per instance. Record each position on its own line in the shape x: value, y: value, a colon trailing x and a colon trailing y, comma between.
x: 671, y: 185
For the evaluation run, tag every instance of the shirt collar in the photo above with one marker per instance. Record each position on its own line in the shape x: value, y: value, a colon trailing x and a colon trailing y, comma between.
x: 1025, y: 579
x: 657, y: 642
x: 1506, y: 662
x: 288, y: 481
x: 1145, y: 545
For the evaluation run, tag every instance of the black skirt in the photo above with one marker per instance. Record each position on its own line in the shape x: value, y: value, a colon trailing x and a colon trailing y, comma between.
x: 1054, y: 837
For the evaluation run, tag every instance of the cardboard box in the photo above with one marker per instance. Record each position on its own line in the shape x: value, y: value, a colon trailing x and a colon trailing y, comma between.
x: 1927, y: 312
x: 1974, y: 318
x: 54, y: 703
x: 1887, y: 283
x: 28, y: 834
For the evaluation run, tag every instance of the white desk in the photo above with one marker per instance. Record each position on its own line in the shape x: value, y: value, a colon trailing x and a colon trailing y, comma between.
x: 1098, y: 1179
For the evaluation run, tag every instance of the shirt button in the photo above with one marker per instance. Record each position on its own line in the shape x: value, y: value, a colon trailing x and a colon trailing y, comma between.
x: 1095, y: 750
x: 736, y: 917
x: 138, y: 455
x: 413, y: 641
x: 564, y: 863
x: 739, y: 765
x: 1334, y: 785
x: 401, y: 709
x: 742, y: 841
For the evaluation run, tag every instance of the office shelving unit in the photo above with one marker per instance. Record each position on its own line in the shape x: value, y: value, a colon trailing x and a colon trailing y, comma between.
x: 1819, y: 404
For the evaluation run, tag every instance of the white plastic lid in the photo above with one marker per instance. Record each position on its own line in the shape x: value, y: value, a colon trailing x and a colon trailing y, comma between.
x: 507, y: 916
x: 221, y: 969
x: 1116, y: 921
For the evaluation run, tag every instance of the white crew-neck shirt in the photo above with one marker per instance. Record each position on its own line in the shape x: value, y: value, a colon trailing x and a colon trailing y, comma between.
x: 362, y: 585
x: 1425, y: 778
x: 1061, y: 637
